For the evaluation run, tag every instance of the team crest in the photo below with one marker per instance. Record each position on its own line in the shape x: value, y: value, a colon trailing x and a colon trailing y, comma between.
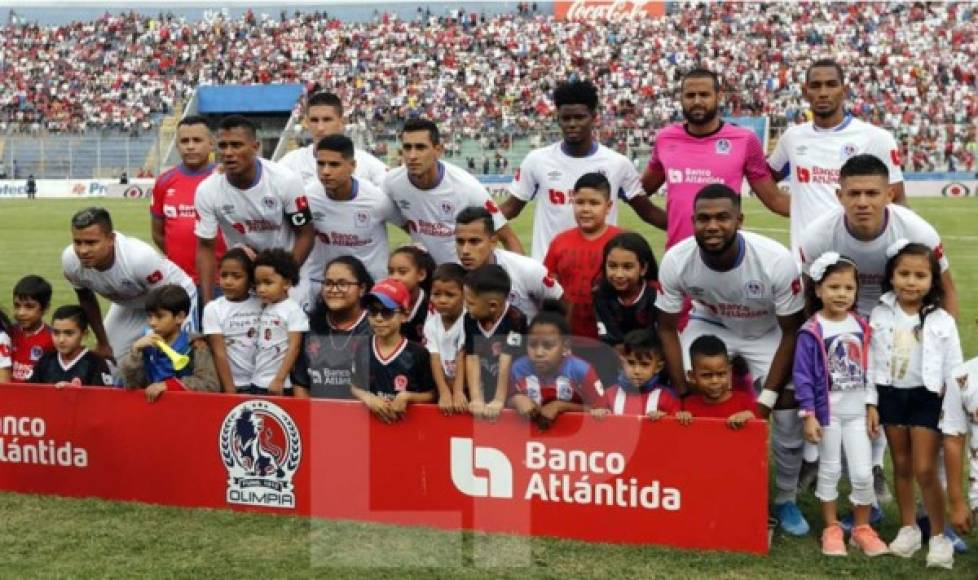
x: 361, y: 219
x: 848, y: 150
x: 400, y: 383
x: 723, y: 147
x: 447, y: 209
x: 36, y: 352
x: 754, y: 289
x: 269, y: 202
x: 261, y: 449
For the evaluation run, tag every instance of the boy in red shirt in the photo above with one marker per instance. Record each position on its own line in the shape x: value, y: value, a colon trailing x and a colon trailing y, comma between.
x: 30, y: 337
x: 575, y: 255
x: 710, y: 381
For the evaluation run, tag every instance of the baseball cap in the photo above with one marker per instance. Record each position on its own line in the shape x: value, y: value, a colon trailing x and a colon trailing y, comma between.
x: 393, y: 294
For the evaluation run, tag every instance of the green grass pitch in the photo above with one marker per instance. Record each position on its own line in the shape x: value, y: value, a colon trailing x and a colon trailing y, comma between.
x: 47, y: 537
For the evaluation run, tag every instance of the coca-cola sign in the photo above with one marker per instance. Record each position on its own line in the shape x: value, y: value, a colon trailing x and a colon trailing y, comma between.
x: 614, y: 10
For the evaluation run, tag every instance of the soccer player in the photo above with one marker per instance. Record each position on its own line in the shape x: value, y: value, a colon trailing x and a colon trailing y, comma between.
x: 809, y: 155
x: 703, y: 150
x: 574, y: 257
x: 350, y: 214
x: 865, y: 225
x: 30, y: 337
x: 746, y: 290
x: 171, y: 211
x: 530, y: 283
x: 253, y: 202
x: 122, y: 270
x: 430, y: 193
x: 324, y: 117
x: 548, y: 174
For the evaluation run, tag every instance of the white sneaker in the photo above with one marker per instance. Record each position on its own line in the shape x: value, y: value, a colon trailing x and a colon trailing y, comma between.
x: 907, y: 542
x: 941, y: 552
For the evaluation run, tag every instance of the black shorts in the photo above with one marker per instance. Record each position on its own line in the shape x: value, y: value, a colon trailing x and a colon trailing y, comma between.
x: 914, y: 407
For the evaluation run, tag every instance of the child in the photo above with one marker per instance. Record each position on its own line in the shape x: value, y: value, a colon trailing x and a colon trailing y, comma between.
x: 494, y: 332
x: 230, y: 322
x: 639, y: 389
x: 398, y: 371
x: 830, y: 385
x: 280, y: 325
x: 712, y: 390
x: 445, y: 339
x: 575, y: 255
x: 414, y: 268
x: 30, y: 337
x: 548, y: 380
x: 71, y: 363
x: 959, y: 418
x: 914, y: 349
x: 149, y: 366
x: 337, y: 326
x: 5, y: 349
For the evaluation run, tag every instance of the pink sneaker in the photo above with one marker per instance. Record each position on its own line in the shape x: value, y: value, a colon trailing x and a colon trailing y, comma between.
x: 865, y: 538
x: 833, y: 541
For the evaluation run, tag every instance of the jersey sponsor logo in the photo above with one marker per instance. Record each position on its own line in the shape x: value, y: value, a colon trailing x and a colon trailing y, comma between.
x: 155, y: 277
x: 400, y: 383
x: 548, y: 282
x: 754, y: 289
x: 939, y: 252
x: 558, y: 197
x: 240, y: 228
x: 823, y: 175
x: 491, y: 206
x: 803, y: 174
x: 465, y: 458
x: 301, y: 203
x: 261, y: 449
x: 722, y: 147
x: 796, y: 283
x: 675, y: 176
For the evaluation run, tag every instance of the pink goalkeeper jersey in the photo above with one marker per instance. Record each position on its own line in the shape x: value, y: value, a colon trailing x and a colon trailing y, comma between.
x: 690, y: 162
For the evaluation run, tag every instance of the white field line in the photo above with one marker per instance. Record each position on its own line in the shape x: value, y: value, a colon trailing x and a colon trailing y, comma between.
x: 785, y: 231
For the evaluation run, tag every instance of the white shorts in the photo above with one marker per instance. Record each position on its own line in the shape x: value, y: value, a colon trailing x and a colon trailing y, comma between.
x: 125, y: 325
x: 757, y: 352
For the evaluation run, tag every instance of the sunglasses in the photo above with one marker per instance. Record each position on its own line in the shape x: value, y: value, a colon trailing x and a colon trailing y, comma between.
x: 383, y: 313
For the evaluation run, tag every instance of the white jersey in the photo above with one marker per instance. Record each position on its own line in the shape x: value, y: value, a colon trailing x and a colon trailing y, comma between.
x: 274, y: 325
x: 959, y: 416
x: 548, y: 175
x: 237, y: 322
x: 303, y: 162
x: 6, y: 349
x: 530, y: 283
x: 445, y: 342
x: 430, y: 213
x: 255, y: 217
x: 829, y: 233
x: 356, y: 227
x: 815, y: 156
x: 746, y: 299
x: 136, y: 269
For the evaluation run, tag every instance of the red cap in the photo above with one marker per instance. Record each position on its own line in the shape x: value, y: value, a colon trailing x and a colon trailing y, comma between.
x: 393, y: 294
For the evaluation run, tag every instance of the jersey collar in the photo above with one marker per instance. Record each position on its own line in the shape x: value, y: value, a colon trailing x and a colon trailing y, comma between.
x: 592, y: 151
x: 710, y: 134
x: 394, y: 354
x: 845, y: 123
x: 886, y: 223
x: 741, y: 252
x: 205, y: 170
x: 417, y: 304
x: 495, y: 326
x: 66, y: 366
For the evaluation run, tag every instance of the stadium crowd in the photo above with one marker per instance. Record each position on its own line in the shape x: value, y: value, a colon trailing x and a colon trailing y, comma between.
x: 911, y: 68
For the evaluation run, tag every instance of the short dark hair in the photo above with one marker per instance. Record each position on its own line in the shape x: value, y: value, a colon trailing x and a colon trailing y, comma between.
x: 489, y: 279
x: 554, y: 313
x: 701, y: 73
x: 324, y: 99
x: 707, y: 345
x: 422, y: 260
x: 281, y: 261
x: 642, y: 343
x: 717, y: 191
x: 168, y: 298
x: 577, y: 93
x: 826, y: 63
x: 90, y: 216
x: 475, y: 213
x: 238, y: 122
x: 195, y: 120
x: 864, y: 165
x: 450, y: 272
x: 594, y: 180
x: 72, y: 312
x: 242, y: 257
x: 339, y: 143
x: 34, y: 287
x: 418, y: 124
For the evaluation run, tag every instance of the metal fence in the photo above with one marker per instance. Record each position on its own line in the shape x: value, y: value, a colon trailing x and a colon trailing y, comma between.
x: 93, y: 155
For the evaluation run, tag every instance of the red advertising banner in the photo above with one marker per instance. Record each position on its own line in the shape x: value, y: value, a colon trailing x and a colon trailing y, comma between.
x: 614, y: 10
x: 621, y: 479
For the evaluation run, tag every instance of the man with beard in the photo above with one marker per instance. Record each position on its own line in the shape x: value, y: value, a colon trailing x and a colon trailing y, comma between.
x: 746, y: 290
x: 548, y: 174
x: 809, y: 155
x: 704, y: 150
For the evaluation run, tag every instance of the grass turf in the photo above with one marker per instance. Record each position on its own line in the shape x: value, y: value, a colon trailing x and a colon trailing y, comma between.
x: 45, y: 536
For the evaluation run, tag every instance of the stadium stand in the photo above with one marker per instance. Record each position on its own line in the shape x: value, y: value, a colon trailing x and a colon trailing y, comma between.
x: 487, y: 79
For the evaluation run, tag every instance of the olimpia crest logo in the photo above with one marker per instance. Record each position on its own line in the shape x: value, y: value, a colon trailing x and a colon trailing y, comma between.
x: 261, y: 449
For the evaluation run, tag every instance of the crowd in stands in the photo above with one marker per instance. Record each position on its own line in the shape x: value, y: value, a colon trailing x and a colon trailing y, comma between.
x: 911, y: 68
